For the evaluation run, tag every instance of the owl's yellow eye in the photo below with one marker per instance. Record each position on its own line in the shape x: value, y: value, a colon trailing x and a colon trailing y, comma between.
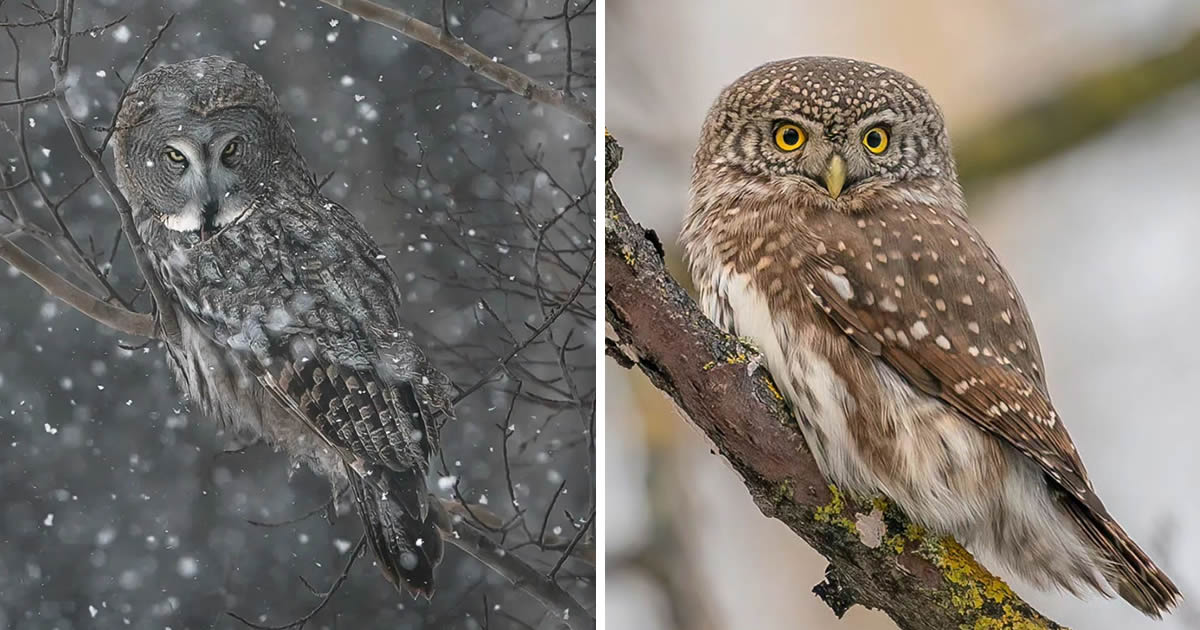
x: 230, y: 149
x: 788, y: 137
x: 876, y: 140
x: 175, y: 156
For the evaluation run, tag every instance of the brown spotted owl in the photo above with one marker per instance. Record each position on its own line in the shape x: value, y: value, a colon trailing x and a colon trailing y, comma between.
x: 827, y: 224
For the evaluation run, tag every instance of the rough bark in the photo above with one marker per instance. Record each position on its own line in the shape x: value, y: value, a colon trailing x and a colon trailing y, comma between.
x: 877, y: 557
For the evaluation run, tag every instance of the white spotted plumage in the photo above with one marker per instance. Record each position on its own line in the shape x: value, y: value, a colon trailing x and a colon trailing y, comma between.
x: 890, y: 327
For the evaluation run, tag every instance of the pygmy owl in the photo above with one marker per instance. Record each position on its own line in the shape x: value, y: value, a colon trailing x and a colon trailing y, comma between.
x: 826, y: 224
x: 290, y: 316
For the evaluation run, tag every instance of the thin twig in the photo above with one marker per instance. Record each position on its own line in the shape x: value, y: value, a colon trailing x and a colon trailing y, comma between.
x: 536, y: 333
x: 549, y: 510
x: 562, y: 559
x: 520, y: 574
x: 325, y: 597
x: 112, y: 127
x: 324, y: 507
x: 59, y: 61
x: 475, y: 61
x: 36, y: 98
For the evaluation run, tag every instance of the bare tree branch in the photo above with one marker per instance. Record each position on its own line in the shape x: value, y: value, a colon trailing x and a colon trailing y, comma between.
x: 877, y: 557
x: 114, y: 317
x: 475, y: 61
x: 541, y: 587
x: 59, y: 61
x: 479, y: 546
x: 36, y: 98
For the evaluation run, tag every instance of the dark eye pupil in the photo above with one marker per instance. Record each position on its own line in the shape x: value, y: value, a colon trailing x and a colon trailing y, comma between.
x: 874, y: 139
x: 791, y: 136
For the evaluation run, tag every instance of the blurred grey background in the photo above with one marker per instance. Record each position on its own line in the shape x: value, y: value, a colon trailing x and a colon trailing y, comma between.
x: 1076, y: 125
x: 118, y: 507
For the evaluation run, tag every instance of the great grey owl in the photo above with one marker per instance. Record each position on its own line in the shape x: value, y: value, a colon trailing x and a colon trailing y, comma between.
x: 290, y: 315
x: 827, y: 224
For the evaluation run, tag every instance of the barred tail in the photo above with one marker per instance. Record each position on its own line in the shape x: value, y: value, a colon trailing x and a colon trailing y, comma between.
x: 401, y: 526
x: 1130, y: 571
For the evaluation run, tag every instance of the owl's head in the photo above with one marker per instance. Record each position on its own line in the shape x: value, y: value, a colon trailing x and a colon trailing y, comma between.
x: 198, y: 142
x: 831, y: 131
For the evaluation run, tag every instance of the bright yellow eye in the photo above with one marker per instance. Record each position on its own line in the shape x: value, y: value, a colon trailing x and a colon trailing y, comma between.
x: 230, y: 149
x: 876, y: 140
x: 175, y: 156
x: 788, y: 137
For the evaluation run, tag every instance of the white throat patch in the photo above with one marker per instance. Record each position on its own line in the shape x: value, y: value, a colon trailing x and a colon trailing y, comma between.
x: 190, y: 219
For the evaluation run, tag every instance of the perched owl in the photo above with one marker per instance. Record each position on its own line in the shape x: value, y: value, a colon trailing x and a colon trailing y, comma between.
x: 826, y: 223
x: 290, y: 315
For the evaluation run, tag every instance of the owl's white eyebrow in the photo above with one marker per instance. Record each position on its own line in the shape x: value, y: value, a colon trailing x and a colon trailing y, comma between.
x: 220, y: 140
x: 187, y: 148
x: 810, y: 126
x: 885, y: 116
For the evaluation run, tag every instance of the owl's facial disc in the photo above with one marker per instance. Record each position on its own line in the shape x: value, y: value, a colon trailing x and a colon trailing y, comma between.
x: 823, y: 131
x: 201, y: 171
x: 207, y: 184
x: 830, y: 157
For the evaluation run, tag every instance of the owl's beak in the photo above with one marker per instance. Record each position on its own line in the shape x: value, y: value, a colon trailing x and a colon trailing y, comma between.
x: 210, y: 214
x: 835, y: 176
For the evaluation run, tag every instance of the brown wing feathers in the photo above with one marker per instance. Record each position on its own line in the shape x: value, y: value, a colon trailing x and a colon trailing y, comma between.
x: 940, y: 322
x: 953, y: 325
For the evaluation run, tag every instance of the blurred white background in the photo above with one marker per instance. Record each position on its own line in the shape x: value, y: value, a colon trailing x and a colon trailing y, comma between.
x: 1100, y: 236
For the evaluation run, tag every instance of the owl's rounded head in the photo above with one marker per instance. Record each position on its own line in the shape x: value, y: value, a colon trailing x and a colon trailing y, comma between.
x: 198, y: 142
x: 833, y: 127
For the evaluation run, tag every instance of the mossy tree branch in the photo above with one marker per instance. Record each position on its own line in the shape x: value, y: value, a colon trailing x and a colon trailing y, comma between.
x: 877, y: 557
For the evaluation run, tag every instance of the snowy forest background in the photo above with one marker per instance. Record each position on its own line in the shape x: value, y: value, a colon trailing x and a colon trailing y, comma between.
x: 121, y: 508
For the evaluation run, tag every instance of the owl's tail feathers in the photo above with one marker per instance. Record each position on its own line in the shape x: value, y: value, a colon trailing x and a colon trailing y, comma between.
x: 401, y: 526
x: 1130, y: 571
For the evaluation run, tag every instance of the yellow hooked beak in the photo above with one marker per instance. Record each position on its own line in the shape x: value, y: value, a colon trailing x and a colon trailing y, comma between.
x: 835, y: 176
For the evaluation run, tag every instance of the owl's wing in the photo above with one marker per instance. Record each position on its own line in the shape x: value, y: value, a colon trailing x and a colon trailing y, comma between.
x: 371, y: 421
x: 920, y: 289
x: 381, y: 427
x: 308, y: 304
x: 338, y: 356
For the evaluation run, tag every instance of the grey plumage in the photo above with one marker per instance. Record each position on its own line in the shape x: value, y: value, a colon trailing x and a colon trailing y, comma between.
x: 289, y: 313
